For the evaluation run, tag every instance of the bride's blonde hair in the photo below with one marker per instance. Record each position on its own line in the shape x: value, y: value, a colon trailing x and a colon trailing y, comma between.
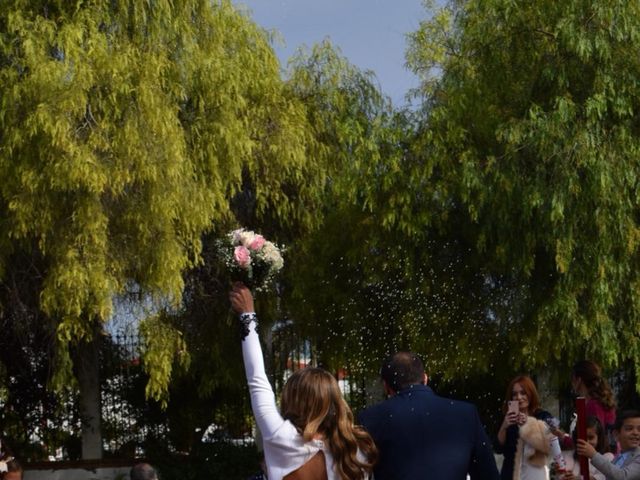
x: 312, y: 401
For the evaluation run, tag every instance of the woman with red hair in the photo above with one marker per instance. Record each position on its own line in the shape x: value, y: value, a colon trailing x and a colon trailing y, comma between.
x: 524, y: 437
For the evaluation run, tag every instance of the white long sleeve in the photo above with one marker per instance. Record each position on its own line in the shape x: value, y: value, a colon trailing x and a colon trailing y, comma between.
x: 284, y: 448
x: 263, y: 402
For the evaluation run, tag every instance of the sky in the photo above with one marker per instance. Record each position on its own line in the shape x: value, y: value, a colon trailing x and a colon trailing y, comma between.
x: 371, y: 34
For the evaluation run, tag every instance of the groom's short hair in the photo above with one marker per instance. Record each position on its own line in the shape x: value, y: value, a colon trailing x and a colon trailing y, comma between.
x: 401, y: 370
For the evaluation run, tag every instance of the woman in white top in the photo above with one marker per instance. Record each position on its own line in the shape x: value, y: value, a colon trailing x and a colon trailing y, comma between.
x: 315, y: 437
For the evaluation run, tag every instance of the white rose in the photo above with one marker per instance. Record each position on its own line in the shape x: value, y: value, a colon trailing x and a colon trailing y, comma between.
x: 272, y: 255
x: 236, y: 236
x: 246, y: 237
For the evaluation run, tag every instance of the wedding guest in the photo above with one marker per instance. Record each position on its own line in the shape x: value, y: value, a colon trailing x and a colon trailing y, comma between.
x: 587, y: 381
x: 314, y: 436
x: 143, y: 471
x: 524, y: 436
x: 14, y: 470
x: 10, y: 468
x: 596, y: 437
x: 422, y: 435
x: 625, y: 466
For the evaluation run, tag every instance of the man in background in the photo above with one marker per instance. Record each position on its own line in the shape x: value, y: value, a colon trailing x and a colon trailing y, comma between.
x: 143, y: 471
x: 420, y: 435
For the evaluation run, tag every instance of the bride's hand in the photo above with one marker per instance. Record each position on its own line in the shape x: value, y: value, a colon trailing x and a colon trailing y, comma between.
x: 241, y: 298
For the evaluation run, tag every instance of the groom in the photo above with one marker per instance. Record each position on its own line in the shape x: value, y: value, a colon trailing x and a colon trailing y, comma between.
x: 420, y: 435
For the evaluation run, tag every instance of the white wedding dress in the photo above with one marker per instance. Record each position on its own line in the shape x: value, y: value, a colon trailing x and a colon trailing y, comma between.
x: 284, y: 448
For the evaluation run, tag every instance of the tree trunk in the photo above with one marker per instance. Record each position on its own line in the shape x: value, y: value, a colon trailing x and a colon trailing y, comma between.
x: 548, y: 391
x: 90, y: 411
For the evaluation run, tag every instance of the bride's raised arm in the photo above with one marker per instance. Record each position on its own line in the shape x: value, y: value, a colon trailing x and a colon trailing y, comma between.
x: 263, y: 401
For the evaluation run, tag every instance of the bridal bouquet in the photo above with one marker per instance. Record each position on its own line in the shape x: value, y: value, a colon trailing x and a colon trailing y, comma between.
x: 250, y: 258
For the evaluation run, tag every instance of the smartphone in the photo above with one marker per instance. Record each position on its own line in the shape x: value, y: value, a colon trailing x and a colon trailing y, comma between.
x: 513, y: 406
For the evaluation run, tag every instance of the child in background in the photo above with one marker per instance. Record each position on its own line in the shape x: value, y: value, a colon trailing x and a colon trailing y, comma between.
x: 14, y: 469
x: 626, y: 465
x: 10, y: 468
x: 597, y: 438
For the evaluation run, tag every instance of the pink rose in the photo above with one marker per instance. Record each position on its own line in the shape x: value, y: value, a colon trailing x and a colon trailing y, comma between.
x: 242, y: 256
x: 257, y: 243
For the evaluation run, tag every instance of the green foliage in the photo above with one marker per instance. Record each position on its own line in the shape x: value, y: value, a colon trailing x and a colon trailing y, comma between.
x: 128, y: 128
x: 530, y: 144
x: 352, y: 120
x: 498, y: 221
x: 337, y: 273
x: 375, y: 277
x: 343, y: 122
x: 219, y: 460
x: 495, y: 229
x: 162, y: 344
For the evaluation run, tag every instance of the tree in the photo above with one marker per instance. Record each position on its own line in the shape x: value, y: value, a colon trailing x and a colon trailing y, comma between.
x: 529, y: 148
x: 497, y: 231
x: 126, y: 130
x: 340, y: 110
x: 336, y: 270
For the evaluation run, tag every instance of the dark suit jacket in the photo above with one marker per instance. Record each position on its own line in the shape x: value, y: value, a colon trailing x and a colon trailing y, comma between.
x: 423, y: 436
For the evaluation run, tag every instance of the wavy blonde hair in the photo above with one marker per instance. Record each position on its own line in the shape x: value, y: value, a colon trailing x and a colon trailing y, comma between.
x: 313, y: 403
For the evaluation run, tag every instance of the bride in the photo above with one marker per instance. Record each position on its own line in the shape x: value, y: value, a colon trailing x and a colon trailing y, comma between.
x: 314, y: 437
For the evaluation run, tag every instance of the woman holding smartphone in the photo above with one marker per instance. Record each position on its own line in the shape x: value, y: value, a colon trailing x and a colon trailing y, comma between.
x: 524, y: 437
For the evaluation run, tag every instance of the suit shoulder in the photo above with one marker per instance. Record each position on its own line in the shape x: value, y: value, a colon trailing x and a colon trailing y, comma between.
x: 461, y: 405
x: 373, y: 411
